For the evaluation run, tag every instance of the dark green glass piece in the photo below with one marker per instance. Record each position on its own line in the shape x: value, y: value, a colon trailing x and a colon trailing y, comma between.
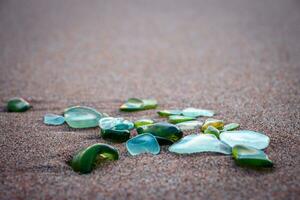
x: 163, y: 131
x: 251, y: 157
x: 212, y: 130
x: 115, y: 135
x: 166, y: 113
x: 17, y: 105
x: 88, y: 158
x: 174, y: 119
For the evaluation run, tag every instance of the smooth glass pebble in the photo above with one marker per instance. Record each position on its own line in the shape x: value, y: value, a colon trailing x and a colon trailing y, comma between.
x: 82, y: 117
x: 251, y: 157
x: 219, y: 124
x: 85, y: 160
x: 212, y: 130
x: 17, y: 105
x: 174, y: 119
x: 52, y: 119
x: 164, y: 132
x: 245, y: 137
x: 189, y: 125
x: 143, y: 122
x: 134, y: 104
x: 195, y: 112
x: 166, y: 113
x: 115, y: 123
x: 149, y: 104
x: 231, y: 127
x: 197, y: 143
x: 115, y: 135
x: 144, y: 143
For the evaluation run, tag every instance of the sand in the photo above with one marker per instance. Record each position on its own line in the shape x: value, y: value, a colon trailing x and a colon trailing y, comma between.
x: 239, y: 58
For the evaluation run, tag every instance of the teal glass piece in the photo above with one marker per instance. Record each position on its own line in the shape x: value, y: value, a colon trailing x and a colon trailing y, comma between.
x: 251, y: 157
x: 115, y: 135
x: 231, y: 127
x: 134, y: 104
x: 143, y: 122
x: 17, y: 105
x: 143, y: 143
x: 196, y: 112
x: 212, y: 130
x: 219, y: 124
x: 82, y: 117
x: 245, y: 137
x: 164, y: 132
x: 52, y: 119
x: 197, y: 143
x: 175, y: 119
x: 85, y: 160
x: 189, y: 125
x: 167, y: 113
x: 115, y: 124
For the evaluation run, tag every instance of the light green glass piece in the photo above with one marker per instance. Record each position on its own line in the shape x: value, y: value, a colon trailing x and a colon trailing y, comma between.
x: 251, y: 157
x: 189, y: 125
x: 143, y: 143
x: 231, y: 127
x: 196, y: 112
x: 85, y: 160
x: 245, y: 137
x: 197, y: 143
x: 149, y: 104
x: 166, y: 113
x: 174, y: 119
x: 113, y: 123
x: 17, y: 105
x: 143, y: 122
x: 212, y: 130
x: 82, y: 117
x: 219, y: 124
x: 134, y: 104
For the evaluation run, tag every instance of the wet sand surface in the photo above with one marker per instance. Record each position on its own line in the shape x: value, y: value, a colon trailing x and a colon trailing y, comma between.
x: 239, y: 58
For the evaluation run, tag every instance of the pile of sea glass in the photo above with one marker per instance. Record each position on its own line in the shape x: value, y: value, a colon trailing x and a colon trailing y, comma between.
x: 215, y: 136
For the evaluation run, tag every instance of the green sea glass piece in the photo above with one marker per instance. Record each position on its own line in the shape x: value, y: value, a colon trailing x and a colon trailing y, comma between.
x: 82, y: 117
x: 197, y: 143
x: 219, y: 124
x: 143, y: 143
x: 189, y: 125
x: 174, y: 119
x: 113, y: 123
x: 196, y: 112
x: 231, y: 127
x: 88, y: 158
x: 143, y: 122
x: 245, y: 137
x: 164, y: 132
x: 251, y: 157
x: 212, y: 130
x: 52, y: 119
x: 115, y: 135
x: 166, y: 113
x: 17, y: 105
x: 134, y: 104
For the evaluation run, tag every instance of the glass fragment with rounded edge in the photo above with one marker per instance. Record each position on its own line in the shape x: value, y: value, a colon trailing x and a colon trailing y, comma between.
x: 17, y: 105
x: 212, y: 130
x: 174, y: 119
x: 196, y: 112
x: 219, y: 124
x: 53, y: 119
x: 231, y: 127
x: 166, y: 113
x: 189, y: 125
x: 143, y: 143
x: 143, y: 122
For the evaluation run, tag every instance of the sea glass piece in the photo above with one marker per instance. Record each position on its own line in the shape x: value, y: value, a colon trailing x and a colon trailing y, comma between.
x: 115, y: 123
x: 231, y: 127
x: 135, y: 104
x: 143, y: 143
x: 251, y: 157
x: 143, y: 122
x: 219, y: 124
x: 82, y: 117
x: 115, y: 135
x: 196, y: 112
x: 212, y: 130
x: 197, y: 143
x: 17, y: 105
x: 189, y: 125
x: 88, y: 158
x: 149, y: 104
x: 164, y: 132
x: 174, y: 119
x: 166, y: 113
x: 52, y: 119
x: 245, y: 137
